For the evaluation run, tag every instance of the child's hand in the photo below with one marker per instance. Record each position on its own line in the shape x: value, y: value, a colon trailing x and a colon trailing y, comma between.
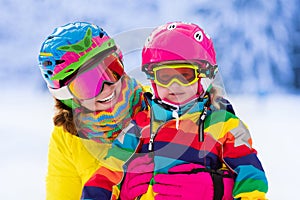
x: 180, y: 184
x: 183, y: 186
x: 137, y: 179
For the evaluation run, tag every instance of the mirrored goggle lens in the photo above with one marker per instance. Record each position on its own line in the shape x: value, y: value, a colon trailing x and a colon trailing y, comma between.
x: 89, y: 83
x: 206, y: 70
x: 184, y: 74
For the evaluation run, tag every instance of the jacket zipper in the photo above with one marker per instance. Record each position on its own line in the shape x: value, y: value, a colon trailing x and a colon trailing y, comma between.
x: 201, y: 124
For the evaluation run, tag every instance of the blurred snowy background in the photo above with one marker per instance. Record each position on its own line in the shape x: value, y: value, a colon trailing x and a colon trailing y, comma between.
x: 258, y: 51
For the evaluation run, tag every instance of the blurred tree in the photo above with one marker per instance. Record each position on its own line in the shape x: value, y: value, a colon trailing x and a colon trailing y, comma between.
x: 295, y: 48
x: 251, y: 39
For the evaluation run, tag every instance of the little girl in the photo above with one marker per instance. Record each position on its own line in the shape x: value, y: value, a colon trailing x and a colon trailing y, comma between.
x: 193, y: 146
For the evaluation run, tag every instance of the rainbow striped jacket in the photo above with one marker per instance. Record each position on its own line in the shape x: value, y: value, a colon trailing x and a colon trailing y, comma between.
x: 225, y: 140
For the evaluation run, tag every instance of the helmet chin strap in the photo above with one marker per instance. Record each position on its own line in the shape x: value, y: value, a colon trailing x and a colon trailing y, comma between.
x: 181, y: 104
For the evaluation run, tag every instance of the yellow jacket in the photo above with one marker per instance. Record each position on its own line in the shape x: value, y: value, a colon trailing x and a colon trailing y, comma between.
x: 71, y: 162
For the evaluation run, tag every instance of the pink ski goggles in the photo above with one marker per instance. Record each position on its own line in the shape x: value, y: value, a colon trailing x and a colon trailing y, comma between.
x: 91, y: 77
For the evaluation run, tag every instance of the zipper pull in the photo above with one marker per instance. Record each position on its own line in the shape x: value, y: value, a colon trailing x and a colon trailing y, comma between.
x: 150, y: 146
x: 176, y: 116
x: 203, y: 116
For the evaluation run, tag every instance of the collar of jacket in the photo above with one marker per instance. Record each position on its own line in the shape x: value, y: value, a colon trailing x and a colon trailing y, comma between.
x: 162, y: 111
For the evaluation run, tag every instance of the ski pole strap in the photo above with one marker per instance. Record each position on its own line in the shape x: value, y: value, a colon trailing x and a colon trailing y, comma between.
x: 217, y: 179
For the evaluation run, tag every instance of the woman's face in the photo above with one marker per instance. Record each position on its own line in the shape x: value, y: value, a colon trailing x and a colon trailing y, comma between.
x: 177, y: 93
x: 106, y: 99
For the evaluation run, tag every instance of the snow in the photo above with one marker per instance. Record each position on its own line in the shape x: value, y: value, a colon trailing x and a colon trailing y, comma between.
x: 273, y: 125
x: 25, y: 128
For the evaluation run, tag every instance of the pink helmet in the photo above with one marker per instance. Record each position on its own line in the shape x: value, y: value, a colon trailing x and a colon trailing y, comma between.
x: 178, y: 42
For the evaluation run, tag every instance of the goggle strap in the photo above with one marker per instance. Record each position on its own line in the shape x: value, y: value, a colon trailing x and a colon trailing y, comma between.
x: 209, y: 72
x: 62, y: 93
x: 70, y: 103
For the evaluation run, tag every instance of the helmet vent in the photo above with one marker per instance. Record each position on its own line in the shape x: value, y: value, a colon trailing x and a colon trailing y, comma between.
x: 101, y: 35
x: 49, y: 72
x: 171, y: 26
x: 57, y: 62
x: 69, y: 70
x: 198, y: 36
x: 47, y: 63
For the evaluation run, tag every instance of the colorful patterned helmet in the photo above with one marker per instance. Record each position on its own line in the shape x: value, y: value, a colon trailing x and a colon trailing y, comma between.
x: 179, y: 42
x: 69, y: 47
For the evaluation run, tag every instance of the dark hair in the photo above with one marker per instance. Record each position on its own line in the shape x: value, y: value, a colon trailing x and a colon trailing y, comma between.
x: 64, y: 117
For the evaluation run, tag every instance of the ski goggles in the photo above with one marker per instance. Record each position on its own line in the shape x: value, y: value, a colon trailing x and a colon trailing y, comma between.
x: 183, y: 74
x: 91, y: 77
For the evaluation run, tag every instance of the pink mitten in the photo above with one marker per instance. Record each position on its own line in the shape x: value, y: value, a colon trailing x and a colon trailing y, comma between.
x: 137, y: 178
x: 178, y: 184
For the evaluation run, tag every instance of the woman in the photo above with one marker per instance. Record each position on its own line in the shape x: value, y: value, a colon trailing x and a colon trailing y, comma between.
x: 95, y: 100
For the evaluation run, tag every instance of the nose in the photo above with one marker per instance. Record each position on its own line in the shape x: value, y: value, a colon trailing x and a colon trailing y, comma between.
x: 174, y: 85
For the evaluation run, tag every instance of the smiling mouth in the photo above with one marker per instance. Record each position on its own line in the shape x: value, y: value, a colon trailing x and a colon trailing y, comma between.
x: 107, y: 99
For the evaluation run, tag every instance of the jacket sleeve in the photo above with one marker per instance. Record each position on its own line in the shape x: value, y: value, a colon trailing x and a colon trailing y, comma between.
x: 251, y: 182
x: 104, y: 182
x: 62, y: 181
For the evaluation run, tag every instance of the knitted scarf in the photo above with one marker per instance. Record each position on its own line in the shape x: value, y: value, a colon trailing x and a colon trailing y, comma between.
x: 105, y: 126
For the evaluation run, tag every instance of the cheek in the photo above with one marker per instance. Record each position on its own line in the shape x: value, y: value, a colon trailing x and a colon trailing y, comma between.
x: 118, y: 88
x: 89, y: 104
x: 162, y: 91
x: 193, y: 88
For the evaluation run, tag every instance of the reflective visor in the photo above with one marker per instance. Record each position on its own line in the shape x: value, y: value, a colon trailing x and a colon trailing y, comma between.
x: 184, y: 74
x: 90, y: 79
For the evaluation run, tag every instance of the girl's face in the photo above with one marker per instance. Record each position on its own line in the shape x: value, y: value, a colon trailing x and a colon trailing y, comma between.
x: 106, y: 99
x: 177, y: 93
